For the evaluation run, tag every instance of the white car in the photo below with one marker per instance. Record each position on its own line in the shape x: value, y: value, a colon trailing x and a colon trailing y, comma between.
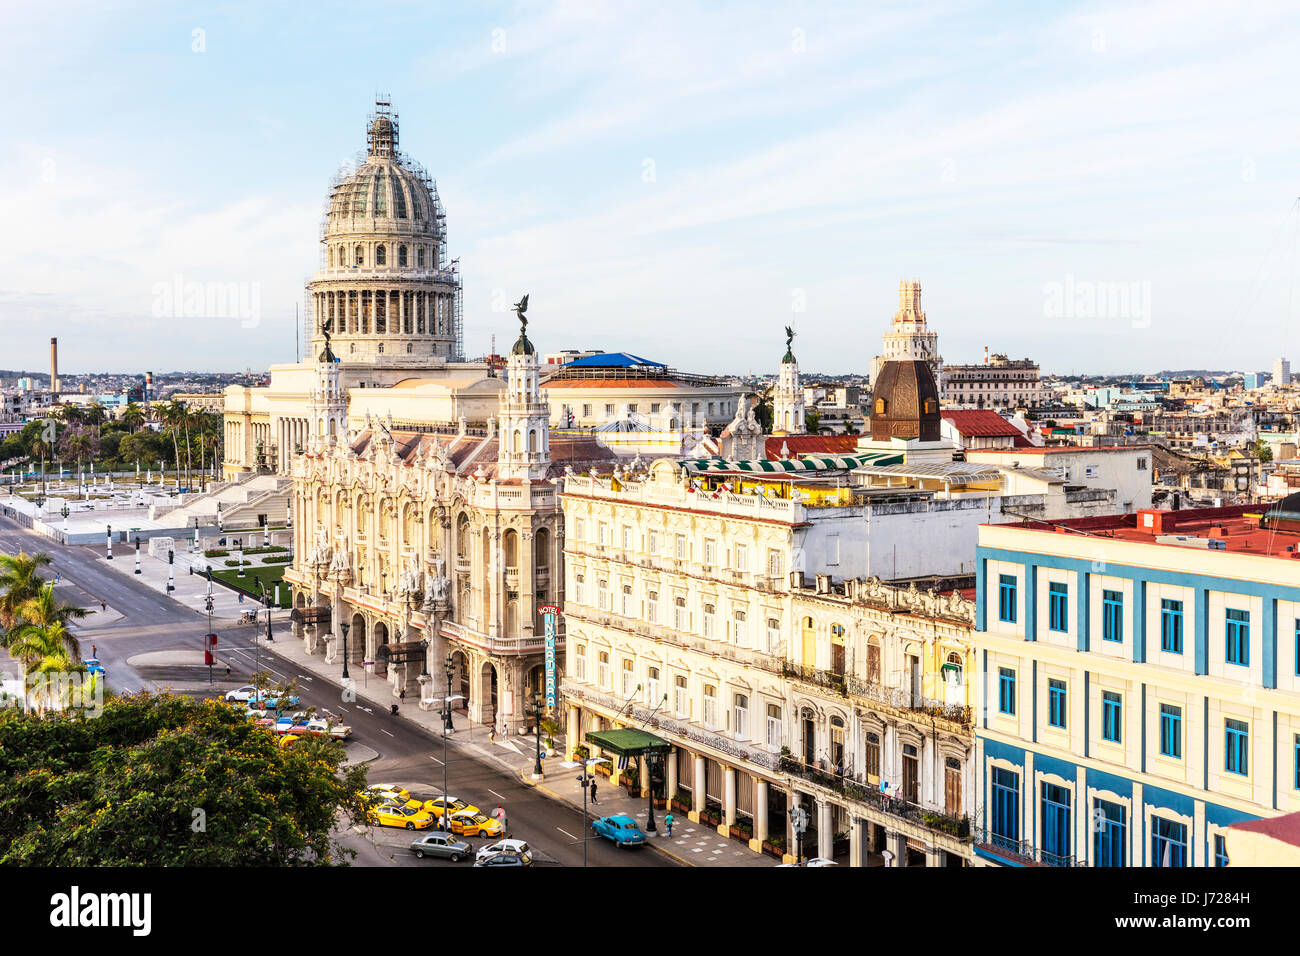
x: 242, y: 694
x: 518, y: 847
x: 319, y: 726
x: 812, y: 861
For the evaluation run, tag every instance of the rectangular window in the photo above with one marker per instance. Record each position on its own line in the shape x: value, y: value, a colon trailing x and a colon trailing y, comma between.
x: 1007, y: 598
x: 873, y: 756
x: 1058, y: 606
x: 740, y: 629
x: 774, y: 570
x: 627, y: 538
x: 1006, y: 808
x: 627, y: 678
x: 773, y: 635
x: 1112, y: 615
x: 774, y: 726
x: 1237, y: 637
x: 1236, y: 746
x: 1056, y: 824
x: 1168, y: 842
x: 832, y: 550
x: 579, y: 530
x: 1111, y: 838
x: 1297, y: 761
x: 652, y: 607
x: 1171, y: 626
x: 1171, y: 731
x: 627, y: 600
x: 710, y: 552
x: 1007, y: 691
x: 742, y: 558
x: 681, y: 547
x: 1112, y: 716
x: 1220, y: 850
x: 652, y: 687
x: 652, y: 542
x: 600, y: 534
x: 709, y: 619
x: 602, y: 669
x: 740, y: 717
x: 1056, y: 703
x: 679, y: 614
x: 580, y: 662
x: 710, y: 706
x: 681, y: 699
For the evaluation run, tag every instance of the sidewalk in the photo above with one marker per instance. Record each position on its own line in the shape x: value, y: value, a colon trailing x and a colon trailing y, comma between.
x: 191, y: 589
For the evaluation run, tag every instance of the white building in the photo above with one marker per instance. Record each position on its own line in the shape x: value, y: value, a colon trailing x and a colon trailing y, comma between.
x: 909, y: 338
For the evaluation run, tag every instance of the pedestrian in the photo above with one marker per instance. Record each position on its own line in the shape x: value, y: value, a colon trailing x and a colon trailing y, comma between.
x: 241, y: 597
x: 401, y: 697
x: 92, y: 651
x: 227, y: 672
x: 103, y: 605
x: 593, y: 791
x: 492, y: 734
x: 668, y: 821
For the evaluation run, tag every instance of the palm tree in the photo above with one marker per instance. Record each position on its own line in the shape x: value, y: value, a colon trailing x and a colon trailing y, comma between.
x: 19, y: 582
x: 172, y: 414
x: 133, y: 417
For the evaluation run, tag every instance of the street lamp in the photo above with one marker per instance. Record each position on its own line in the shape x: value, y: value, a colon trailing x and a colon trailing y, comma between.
x: 798, y: 827
x: 266, y: 599
x: 65, y: 512
x: 537, y: 727
x: 584, y: 780
x: 343, y: 626
x: 424, y: 658
x: 446, y: 711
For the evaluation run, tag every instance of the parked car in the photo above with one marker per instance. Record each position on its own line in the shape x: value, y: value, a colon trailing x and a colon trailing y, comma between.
x: 329, y: 724
x: 390, y: 791
x: 438, y: 806
x: 621, y: 828
x: 395, y: 815
x: 812, y: 861
x: 506, y: 859
x: 288, y: 740
x: 94, y: 667
x: 441, y: 844
x: 502, y: 846
x: 273, y: 700
x: 242, y: 694
x: 475, y: 824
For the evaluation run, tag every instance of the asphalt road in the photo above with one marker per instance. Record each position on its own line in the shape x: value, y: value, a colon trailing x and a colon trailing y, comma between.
x: 407, y: 756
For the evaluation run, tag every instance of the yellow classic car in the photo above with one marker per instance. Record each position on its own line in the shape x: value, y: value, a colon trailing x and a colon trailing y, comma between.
x: 390, y: 791
x: 465, y: 823
x: 438, y: 806
x: 288, y: 740
x: 398, y: 815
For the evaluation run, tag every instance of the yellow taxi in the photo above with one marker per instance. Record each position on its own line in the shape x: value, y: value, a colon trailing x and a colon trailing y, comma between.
x: 465, y: 823
x: 439, y: 805
x: 288, y: 740
x: 399, y: 815
x: 389, y: 791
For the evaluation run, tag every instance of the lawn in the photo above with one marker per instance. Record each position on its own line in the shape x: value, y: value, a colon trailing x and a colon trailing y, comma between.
x: 269, y: 576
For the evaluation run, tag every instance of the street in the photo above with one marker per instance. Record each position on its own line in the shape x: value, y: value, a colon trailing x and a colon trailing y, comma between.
x: 133, y: 650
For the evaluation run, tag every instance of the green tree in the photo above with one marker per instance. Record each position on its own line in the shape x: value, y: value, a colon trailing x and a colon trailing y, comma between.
x: 160, y: 780
x: 763, y: 410
x: 812, y: 421
x: 133, y: 416
x: 1262, y: 450
x: 42, y: 630
x: 20, y: 581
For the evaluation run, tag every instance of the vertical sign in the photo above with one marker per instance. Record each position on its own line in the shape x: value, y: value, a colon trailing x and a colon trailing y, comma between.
x: 549, y: 612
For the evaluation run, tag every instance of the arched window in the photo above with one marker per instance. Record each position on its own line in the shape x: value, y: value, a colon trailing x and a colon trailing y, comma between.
x: 512, y: 548
x: 381, y: 256
x: 399, y: 201
x: 419, y: 257
x: 837, y: 745
x: 542, y: 549
x: 401, y: 255
x: 532, y: 441
x: 361, y: 256
x: 880, y: 406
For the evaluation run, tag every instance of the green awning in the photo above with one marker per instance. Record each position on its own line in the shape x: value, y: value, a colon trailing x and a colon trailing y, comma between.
x: 629, y: 742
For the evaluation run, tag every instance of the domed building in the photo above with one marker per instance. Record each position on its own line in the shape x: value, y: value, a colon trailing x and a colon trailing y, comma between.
x: 386, y: 293
x: 905, y: 402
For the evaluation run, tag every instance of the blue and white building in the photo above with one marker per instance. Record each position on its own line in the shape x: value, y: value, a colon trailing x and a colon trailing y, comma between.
x: 1137, y: 685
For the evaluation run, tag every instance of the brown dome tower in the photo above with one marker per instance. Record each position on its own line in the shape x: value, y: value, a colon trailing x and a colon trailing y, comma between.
x: 905, y: 402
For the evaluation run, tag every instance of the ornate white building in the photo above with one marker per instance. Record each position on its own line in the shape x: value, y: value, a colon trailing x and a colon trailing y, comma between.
x: 787, y: 397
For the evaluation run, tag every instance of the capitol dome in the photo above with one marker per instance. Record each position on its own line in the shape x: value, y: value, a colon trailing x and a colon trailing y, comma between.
x: 386, y: 292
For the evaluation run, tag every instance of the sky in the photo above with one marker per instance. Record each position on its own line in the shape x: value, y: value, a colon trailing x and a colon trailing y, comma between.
x: 1102, y: 187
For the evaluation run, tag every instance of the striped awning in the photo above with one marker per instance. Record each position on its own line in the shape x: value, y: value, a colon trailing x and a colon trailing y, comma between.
x: 791, y: 465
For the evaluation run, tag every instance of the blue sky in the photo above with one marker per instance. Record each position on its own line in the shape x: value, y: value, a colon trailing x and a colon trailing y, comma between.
x: 677, y: 180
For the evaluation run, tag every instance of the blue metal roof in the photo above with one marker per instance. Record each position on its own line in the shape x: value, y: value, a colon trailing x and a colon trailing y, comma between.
x: 612, y: 360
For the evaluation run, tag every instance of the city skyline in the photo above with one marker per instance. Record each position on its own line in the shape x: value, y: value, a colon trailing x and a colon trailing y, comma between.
x: 682, y: 191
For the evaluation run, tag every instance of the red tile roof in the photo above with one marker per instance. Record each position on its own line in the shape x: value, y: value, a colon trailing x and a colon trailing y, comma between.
x: 1284, y: 828
x: 809, y: 445
x: 980, y: 423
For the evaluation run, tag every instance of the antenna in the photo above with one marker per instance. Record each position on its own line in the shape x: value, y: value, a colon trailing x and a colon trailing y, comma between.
x: 297, y: 349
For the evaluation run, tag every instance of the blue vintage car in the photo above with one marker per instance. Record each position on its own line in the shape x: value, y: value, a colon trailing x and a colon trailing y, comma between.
x: 272, y: 702
x: 93, y: 665
x: 622, y: 829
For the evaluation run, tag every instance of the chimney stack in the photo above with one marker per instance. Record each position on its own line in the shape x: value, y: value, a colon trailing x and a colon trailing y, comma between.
x: 54, y: 368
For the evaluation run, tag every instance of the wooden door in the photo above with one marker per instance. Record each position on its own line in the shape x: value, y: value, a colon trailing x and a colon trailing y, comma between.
x: 952, y: 787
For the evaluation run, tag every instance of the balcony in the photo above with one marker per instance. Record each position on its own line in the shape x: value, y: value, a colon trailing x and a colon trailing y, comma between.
x: 462, y: 564
x: 512, y: 577
x: 860, y: 791
x: 848, y: 685
x: 1019, y: 852
x: 531, y: 644
x: 772, y: 663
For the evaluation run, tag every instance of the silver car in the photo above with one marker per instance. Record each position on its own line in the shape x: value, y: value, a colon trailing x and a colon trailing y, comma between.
x: 437, y: 843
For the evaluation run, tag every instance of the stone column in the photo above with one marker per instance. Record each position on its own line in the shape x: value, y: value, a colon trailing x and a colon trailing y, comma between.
x: 760, y: 814
x: 825, y: 829
x: 897, y: 842
x: 933, y: 856
x: 574, y: 732
x: 857, y: 832
x: 475, y: 702
x: 698, y: 795
x: 643, y: 766
x: 793, y: 799
x: 728, y: 800
x: 670, y: 776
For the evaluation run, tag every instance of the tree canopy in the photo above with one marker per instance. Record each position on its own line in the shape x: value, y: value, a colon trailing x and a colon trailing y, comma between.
x: 163, y: 780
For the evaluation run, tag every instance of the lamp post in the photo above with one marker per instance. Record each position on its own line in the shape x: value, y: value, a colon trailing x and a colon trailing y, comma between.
x: 584, y: 779
x: 171, y: 570
x: 344, y: 626
x: 537, y: 728
x: 424, y: 658
x: 137, y: 557
x: 109, y: 535
x: 65, y: 512
x: 266, y: 599
x: 798, y: 827
x: 446, y: 713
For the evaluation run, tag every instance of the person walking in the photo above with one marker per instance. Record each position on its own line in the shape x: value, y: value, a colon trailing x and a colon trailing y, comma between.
x: 593, y: 791
x: 227, y: 672
x: 401, y: 697
x: 668, y: 822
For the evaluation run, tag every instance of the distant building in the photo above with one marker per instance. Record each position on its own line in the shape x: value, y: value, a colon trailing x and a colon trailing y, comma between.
x: 998, y: 382
x: 1281, y: 372
x: 1253, y: 380
x: 909, y: 339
